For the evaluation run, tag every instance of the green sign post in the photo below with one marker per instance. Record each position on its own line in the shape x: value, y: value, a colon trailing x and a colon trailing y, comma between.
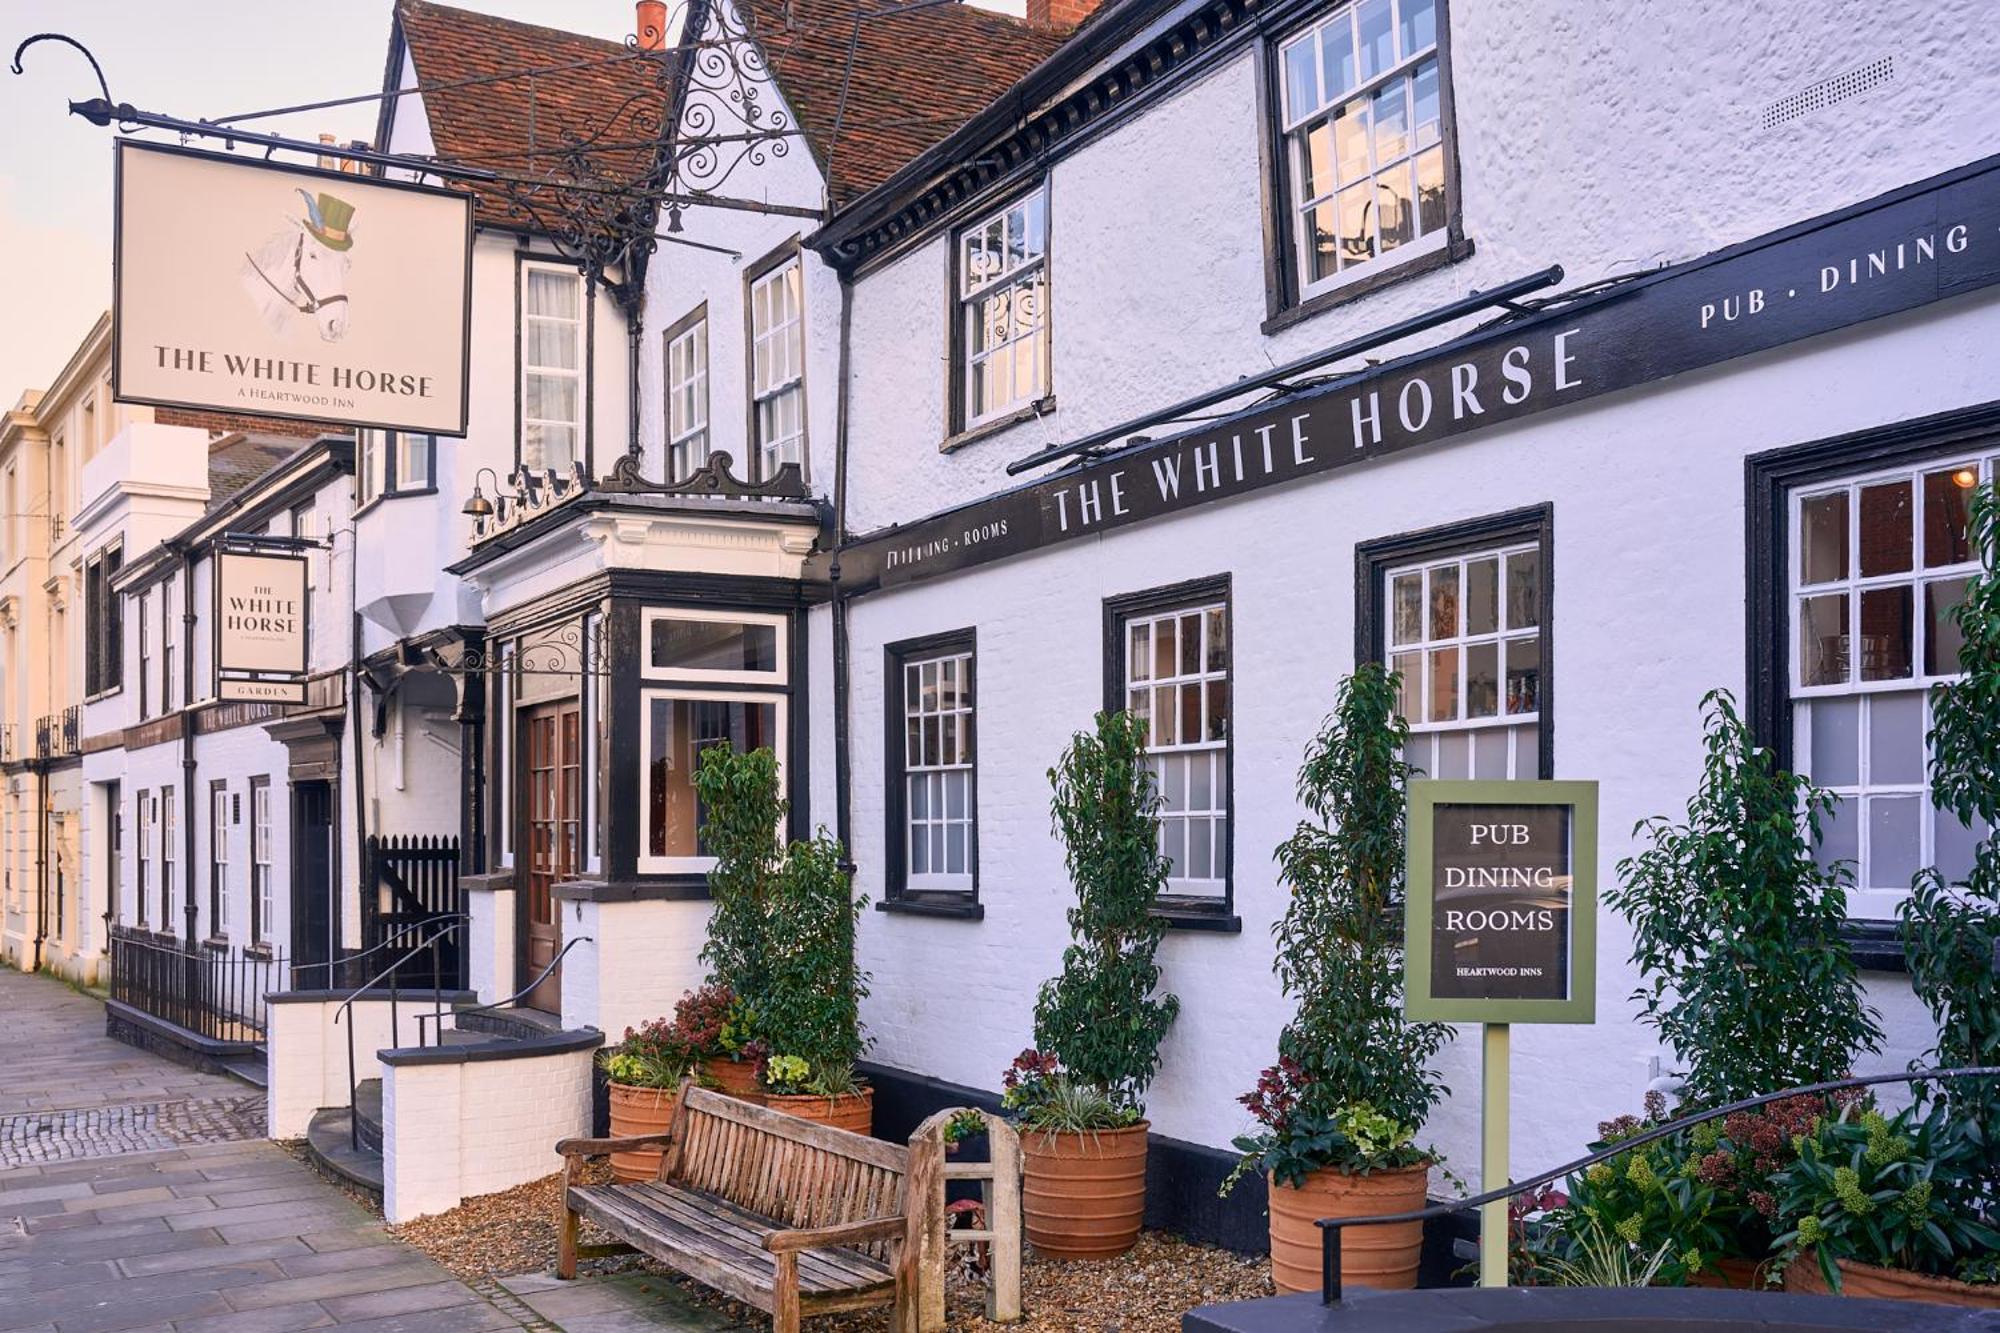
x: 1501, y: 928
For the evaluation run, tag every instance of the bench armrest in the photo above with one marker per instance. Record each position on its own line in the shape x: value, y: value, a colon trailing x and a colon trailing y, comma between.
x: 847, y: 1233
x: 602, y: 1147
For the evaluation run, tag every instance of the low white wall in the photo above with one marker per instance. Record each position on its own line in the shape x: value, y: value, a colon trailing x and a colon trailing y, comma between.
x: 641, y: 957
x: 306, y: 1052
x: 452, y: 1131
x: 490, y: 942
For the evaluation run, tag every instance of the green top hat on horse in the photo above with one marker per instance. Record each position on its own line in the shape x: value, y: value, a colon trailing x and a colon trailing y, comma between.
x: 327, y: 218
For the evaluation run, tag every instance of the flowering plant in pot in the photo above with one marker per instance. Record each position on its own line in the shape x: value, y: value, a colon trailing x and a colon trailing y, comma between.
x: 645, y: 1070
x: 720, y: 1033
x: 1078, y: 1094
x: 1892, y: 1207
x: 1339, y: 1113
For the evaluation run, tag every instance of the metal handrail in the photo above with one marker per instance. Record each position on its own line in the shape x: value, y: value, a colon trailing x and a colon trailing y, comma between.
x: 1331, y: 1227
x: 459, y: 917
x: 513, y: 999
x: 395, y: 1004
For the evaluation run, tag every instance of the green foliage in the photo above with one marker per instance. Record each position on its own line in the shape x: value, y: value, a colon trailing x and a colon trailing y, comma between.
x: 1897, y: 1193
x: 786, y: 1074
x: 1340, y: 941
x: 1042, y: 1096
x: 1658, y: 1203
x: 1736, y: 928
x: 1354, y: 1139
x: 811, y: 1004
x: 654, y: 1055
x: 742, y: 811
x: 1100, y: 1018
x: 1951, y: 932
x: 1600, y: 1259
x: 965, y: 1123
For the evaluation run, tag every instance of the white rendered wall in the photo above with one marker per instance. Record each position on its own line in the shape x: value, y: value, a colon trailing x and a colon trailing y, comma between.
x: 1647, y: 615
x: 453, y: 1131
x: 306, y: 1054
x: 640, y: 959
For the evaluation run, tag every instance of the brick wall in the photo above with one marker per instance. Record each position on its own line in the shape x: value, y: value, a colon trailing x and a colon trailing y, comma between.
x: 230, y: 422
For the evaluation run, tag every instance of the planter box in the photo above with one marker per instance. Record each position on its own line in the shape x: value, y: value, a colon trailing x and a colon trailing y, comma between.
x: 1894, y: 1284
x: 636, y: 1110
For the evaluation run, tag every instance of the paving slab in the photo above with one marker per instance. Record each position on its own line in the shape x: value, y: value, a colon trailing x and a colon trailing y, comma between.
x: 618, y: 1303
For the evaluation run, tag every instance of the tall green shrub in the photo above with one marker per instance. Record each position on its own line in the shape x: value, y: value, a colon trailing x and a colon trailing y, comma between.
x: 1736, y: 927
x: 1100, y: 1018
x: 811, y: 1005
x: 1340, y: 941
x: 741, y: 814
x: 1951, y: 931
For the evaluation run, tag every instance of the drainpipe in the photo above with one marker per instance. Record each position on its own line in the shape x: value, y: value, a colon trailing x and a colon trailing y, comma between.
x: 336, y: 917
x: 188, y: 774
x: 843, y: 771
x: 41, y: 768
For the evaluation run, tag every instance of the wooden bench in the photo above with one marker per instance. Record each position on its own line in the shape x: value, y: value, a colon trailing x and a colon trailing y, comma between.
x: 791, y: 1217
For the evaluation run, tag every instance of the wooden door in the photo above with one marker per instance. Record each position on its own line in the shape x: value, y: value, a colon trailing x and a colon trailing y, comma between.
x: 552, y: 804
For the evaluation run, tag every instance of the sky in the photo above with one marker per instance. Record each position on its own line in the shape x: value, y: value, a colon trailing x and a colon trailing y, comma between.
x: 196, y: 59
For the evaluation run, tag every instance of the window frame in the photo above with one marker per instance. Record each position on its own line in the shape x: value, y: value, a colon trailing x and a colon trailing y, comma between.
x: 787, y: 254
x: 962, y: 423
x: 691, y: 328
x: 169, y: 819
x: 104, y: 623
x: 388, y: 448
x: 263, y: 902
x: 167, y: 645
x: 1289, y: 296
x: 779, y: 699
x: 145, y: 664
x: 525, y: 262
x: 1373, y: 560
x: 898, y: 894
x: 218, y: 858
x: 778, y: 677
x: 142, y: 852
x: 1185, y: 911
x: 1770, y: 480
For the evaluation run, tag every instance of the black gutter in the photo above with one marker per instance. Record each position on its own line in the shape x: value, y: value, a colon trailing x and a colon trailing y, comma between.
x: 189, y: 770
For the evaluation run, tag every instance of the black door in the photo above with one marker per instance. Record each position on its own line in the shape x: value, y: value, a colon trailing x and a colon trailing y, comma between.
x: 312, y: 878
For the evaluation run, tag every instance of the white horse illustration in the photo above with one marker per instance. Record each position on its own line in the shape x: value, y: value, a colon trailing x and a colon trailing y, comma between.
x: 298, y: 272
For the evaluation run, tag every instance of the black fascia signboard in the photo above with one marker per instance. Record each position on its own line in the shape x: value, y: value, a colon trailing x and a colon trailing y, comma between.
x: 1900, y: 251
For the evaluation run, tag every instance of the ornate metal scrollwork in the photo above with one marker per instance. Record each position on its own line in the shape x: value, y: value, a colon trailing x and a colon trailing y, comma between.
x: 575, y: 649
x: 715, y: 477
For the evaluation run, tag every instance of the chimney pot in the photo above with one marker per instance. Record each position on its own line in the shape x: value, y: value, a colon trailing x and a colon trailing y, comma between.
x: 651, y: 20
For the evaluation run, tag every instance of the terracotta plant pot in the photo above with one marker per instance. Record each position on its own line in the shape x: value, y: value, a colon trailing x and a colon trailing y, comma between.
x: 636, y: 1110
x: 1083, y: 1196
x: 1891, y: 1284
x: 1378, y: 1256
x: 1732, y: 1275
x: 853, y: 1111
x: 736, y: 1078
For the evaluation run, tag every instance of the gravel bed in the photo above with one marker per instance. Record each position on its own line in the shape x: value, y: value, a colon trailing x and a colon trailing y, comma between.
x: 1145, y: 1291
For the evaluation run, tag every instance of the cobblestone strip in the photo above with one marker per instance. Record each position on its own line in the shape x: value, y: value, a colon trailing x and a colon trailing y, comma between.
x: 507, y: 1303
x: 40, y: 1137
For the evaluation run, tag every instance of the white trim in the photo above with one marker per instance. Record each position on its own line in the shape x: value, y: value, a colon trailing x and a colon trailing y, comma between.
x: 653, y: 614
x: 647, y: 863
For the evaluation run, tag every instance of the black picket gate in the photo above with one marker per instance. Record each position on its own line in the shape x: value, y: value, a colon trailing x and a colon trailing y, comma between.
x: 411, y: 888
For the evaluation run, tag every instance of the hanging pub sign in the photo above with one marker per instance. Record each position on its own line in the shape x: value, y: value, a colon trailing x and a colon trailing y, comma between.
x: 1501, y: 917
x: 255, y: 288
x: 262, y: 628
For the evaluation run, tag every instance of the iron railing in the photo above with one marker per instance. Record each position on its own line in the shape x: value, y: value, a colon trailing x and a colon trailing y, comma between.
x: 344, y: 1016
x: 410, y: 938
x: 1330, y: 1228
x: 214, y: 993
x: 56, y: 735
x: 7, y: 753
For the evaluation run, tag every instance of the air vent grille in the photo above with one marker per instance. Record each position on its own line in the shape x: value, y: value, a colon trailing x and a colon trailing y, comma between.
x: 1829, y: 91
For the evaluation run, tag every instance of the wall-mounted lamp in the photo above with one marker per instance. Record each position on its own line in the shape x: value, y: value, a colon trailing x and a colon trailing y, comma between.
x: 478, y: 506
x: 1965, y: 478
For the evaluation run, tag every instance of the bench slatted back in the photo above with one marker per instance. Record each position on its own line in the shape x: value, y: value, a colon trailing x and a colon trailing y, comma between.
x: 793, y: 1171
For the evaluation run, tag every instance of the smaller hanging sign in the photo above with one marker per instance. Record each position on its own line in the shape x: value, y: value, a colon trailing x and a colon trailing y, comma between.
x: 1501, y: 917
x: 261, y: 627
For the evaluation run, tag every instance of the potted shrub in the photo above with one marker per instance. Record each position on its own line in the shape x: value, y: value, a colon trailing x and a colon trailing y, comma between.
x: 1951, y: 931
x: 811, y: 1006
x: 742, y: 812
x: 1736, y: 928
x: 1339, y: 1113
x: 645, y: 1072
x: 1891, y: 1208
x: 1078, y: 1095
x: 719, y: 1032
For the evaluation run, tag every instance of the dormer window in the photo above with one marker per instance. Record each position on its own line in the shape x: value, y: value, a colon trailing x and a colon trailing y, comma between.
x: 1366, y: 151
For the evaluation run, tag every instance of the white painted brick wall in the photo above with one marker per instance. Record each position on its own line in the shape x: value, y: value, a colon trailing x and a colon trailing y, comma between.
x: 490, y: 939
x: 642, y: 957
x: 306, y: 1054
x: 456, y: 1131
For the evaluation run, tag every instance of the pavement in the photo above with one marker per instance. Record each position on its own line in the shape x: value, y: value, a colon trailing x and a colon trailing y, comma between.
x: 137, y: 1196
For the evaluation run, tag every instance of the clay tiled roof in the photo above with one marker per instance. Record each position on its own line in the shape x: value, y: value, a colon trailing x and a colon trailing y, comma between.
x: 234, y: 461
x: 918, y: 76
x: 518, y: 125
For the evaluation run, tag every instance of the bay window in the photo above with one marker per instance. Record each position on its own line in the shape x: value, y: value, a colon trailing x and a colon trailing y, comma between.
x: 708, y: 679
x: 552, y: 393
x: 1363, y: 109
x: 1003, y: 322
x: 777, y: 366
